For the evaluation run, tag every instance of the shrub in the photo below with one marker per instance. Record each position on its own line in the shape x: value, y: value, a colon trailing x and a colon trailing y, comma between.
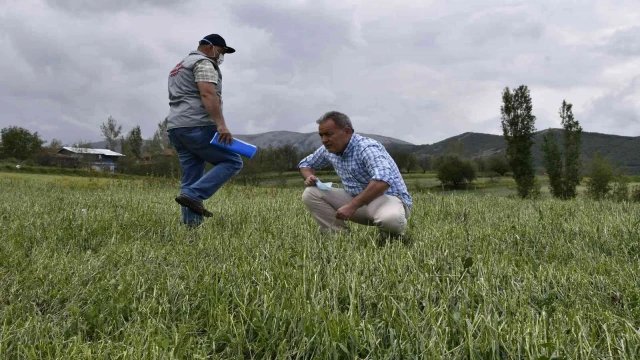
x: 621, y: 189
x: 498, y: 164
x: 600, y: 175
x: 455, y: 172
x: 635, y: 194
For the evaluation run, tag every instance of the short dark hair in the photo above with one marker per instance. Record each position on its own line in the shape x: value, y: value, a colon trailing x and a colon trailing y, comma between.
x: 341, y: 120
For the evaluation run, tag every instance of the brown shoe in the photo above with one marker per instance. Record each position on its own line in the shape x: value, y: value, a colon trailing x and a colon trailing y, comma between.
x: 193, y: 205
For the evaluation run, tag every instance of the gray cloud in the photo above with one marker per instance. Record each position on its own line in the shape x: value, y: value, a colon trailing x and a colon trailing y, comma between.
x: 92, y: 6
x: 414, y: 70
x: 625, y: 42
x: 618, y: 109
x: 66, y: 85
x: 306, y: 33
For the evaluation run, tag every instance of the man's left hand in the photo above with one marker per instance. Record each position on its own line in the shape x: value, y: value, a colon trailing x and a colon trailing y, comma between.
x: 346, y: 212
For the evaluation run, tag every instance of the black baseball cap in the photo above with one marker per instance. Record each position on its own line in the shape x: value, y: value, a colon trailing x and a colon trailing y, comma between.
x: 217, y: 40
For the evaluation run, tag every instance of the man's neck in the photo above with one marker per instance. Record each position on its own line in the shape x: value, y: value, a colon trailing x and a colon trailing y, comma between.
x: 347, y: 147
x: 207, y: 54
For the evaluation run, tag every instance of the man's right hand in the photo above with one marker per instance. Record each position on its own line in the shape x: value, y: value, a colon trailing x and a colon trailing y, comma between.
x: 311, y: 180
x: 225, y: 136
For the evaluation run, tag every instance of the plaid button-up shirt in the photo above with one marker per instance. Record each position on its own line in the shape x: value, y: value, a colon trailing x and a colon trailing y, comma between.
x: 205, y: 72
x: 363, y: 160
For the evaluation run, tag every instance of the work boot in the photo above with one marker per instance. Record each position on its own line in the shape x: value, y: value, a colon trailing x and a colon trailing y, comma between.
x: 193, y: 205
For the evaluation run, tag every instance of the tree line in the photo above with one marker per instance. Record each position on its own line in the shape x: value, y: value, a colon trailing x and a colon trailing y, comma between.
x: 561, y: 156
x: 562, y: 163
x: 142, y: 157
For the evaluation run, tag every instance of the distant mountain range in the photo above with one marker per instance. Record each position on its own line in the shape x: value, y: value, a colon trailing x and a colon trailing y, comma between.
x: 305, y: 141
x: 623, y: 150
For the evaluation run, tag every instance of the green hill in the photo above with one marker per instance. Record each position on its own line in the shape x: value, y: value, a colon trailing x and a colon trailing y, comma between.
x: 621, y: 150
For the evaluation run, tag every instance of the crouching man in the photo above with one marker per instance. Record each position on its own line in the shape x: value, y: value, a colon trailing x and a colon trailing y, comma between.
x: 374, y: 191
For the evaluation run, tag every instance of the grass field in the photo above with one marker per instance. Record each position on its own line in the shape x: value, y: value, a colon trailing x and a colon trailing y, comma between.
x: 100, y: 269
x: 419, y: 182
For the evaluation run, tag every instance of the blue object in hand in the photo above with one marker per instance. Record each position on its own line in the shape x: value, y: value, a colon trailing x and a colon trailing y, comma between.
x: 237, y: 146
x: 323, y: 186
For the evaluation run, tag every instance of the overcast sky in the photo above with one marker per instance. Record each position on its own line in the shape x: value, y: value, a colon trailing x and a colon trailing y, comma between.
x: 419, y: 70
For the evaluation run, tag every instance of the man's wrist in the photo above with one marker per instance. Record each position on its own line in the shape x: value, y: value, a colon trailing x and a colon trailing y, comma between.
x: 219, y: 122
x: 355, y: 203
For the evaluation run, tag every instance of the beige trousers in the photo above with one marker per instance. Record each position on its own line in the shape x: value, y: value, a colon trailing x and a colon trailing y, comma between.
x: 388, y: 213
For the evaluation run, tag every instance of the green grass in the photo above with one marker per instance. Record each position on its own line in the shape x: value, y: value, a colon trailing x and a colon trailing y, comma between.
x: 102, y: 270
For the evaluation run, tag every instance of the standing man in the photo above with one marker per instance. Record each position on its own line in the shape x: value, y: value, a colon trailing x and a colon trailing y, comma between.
x: 374, y: 191
x: 195, y: 100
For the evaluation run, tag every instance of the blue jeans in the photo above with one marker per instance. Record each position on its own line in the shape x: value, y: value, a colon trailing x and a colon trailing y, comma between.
x: 194, y: 151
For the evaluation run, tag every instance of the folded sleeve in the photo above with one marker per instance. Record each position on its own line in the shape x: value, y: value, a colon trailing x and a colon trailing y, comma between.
x: 317, y: 160
x: 376, y: 161
x: 205, y: 72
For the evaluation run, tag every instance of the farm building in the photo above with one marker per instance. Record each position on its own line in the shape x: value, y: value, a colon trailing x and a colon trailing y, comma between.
x: 96, y: 159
